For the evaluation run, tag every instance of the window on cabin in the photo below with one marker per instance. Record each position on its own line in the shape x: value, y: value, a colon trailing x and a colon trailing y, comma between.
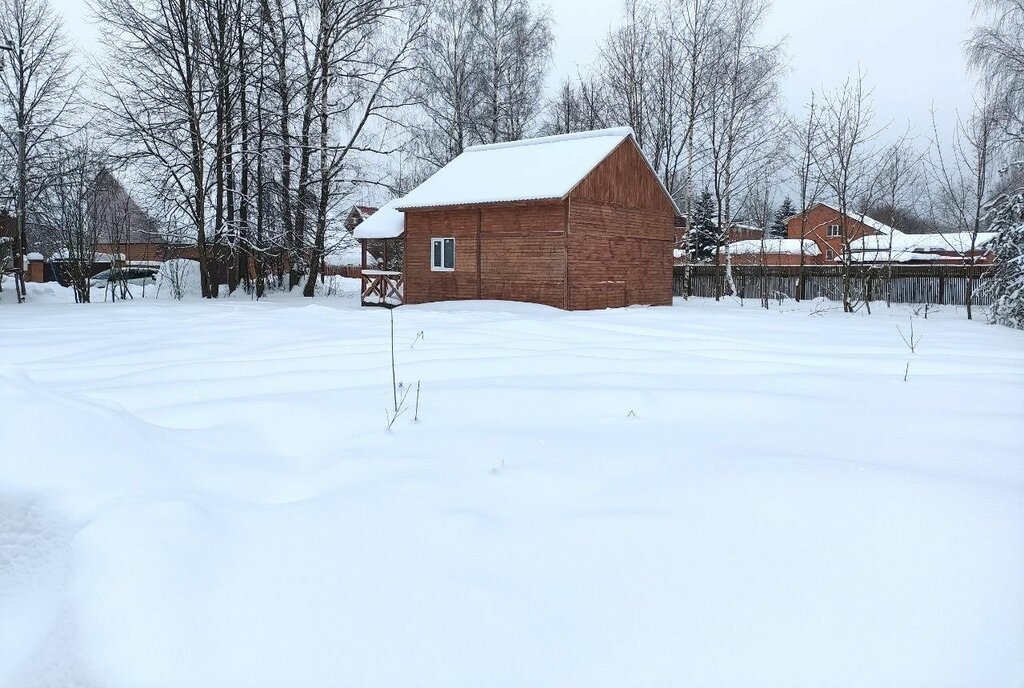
x: 442, y: 254
x: 835, y: 230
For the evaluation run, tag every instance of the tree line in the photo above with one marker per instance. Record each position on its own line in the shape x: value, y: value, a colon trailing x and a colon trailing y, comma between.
x: 244, y: 125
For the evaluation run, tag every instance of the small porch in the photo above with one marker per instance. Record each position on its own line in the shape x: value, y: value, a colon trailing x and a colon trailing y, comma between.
x: 383, y: 279
x: 383, y: 288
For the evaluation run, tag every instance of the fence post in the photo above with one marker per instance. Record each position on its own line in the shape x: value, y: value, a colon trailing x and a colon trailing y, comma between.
x: 942, y: 288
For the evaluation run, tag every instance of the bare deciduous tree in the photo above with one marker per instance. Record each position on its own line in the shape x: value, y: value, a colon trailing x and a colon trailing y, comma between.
x: 963, y: 179
x: 845, y: 160
x: 805, y: 174
x: 71, y: 212
x: 38, y: 87
x: 742, y: 123
x: 158, y: 98
x: 899, y: 184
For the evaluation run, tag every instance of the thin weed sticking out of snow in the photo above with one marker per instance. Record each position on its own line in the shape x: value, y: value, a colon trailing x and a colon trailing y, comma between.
x: 416, y: 415
x: 401, y: 405
x: 821, y: 305
x: 399, y: 390
x: 419, y: 336
x: 911, y: 340
x: 631, y: 414
x: 498, y: 469
x: 394, y: 385
x: 922, y: 310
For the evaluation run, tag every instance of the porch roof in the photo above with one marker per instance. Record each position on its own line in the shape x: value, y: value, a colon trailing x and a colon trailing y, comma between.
x: 386, y: 223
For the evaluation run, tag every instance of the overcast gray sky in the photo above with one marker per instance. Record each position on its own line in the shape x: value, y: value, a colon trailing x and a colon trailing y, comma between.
x: 911, y: 50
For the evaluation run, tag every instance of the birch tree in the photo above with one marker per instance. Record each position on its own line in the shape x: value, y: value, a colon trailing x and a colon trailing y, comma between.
x: 157, y: 99
x: 996, y: 53
x: 742, y: 123
x: 356, y: 75
x: 845, y: 159
x: 481, y: 66
x: 808, y: 186
x: 899, y: 183
x: 963, y: 176
x: 38, y: 87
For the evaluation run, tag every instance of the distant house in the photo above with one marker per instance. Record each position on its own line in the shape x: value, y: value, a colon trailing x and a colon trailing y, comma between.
x: 741, y: 231
x: 119, y: 232
x: 898, y: 247
x: 871, y: 241
x: 123, y: 227
x: 575, y: 221
x: 358, y: 214
x: 738, y: 231
x: 342, y: 251
x: 774, y: 251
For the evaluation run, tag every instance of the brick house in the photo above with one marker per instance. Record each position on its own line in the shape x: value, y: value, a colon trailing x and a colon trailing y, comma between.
x: 871, y: 241
x: 825, y: 225
x: 358, y: 214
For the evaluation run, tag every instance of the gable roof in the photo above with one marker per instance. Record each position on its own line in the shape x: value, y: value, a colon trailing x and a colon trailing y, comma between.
x: 865, y: 220
x: 546, y: 168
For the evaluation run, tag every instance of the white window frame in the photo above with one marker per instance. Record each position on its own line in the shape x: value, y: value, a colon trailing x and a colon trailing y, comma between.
x: 835, y: 230
x: 434, y: 241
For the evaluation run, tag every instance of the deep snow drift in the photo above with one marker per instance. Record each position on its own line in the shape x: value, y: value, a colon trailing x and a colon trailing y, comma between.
x: 205, y: 495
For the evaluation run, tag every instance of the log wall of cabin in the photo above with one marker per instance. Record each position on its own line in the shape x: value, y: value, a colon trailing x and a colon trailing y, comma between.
x: 608, y: 244
x: 423, y: 285
x: 620, y: 236
x: 513, y: 252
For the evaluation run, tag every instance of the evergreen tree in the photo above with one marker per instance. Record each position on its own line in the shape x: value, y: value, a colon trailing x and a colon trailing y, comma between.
x: 1007, y: 285
x: 703, y: 235
x: 785, y: 211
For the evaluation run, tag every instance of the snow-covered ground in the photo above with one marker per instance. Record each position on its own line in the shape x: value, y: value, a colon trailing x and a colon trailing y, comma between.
x: 206, y: 495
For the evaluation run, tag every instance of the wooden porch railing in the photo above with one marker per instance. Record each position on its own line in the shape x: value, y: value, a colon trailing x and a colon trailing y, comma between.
x: 383, y: 288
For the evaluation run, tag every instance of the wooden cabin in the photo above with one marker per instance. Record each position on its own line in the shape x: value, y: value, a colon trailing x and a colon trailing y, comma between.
x: 576, y: 221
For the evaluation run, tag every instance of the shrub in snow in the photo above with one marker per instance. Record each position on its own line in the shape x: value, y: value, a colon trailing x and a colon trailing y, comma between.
x: 179, y: 278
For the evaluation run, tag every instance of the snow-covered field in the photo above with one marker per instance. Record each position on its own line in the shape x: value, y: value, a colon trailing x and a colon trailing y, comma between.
x: 206, y: 495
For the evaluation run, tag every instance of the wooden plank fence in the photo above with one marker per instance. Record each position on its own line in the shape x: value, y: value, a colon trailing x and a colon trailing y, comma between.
x: 935, y: 284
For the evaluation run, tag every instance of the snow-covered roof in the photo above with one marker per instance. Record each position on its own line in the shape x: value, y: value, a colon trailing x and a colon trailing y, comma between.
x: 386, y: 223
x: 533, y: 169
x: 790, y: 247
x: 899, y: 257
x: 866, y: 220
x: 959, y: 242
x: 98, y: 257
x: 34, y: 256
